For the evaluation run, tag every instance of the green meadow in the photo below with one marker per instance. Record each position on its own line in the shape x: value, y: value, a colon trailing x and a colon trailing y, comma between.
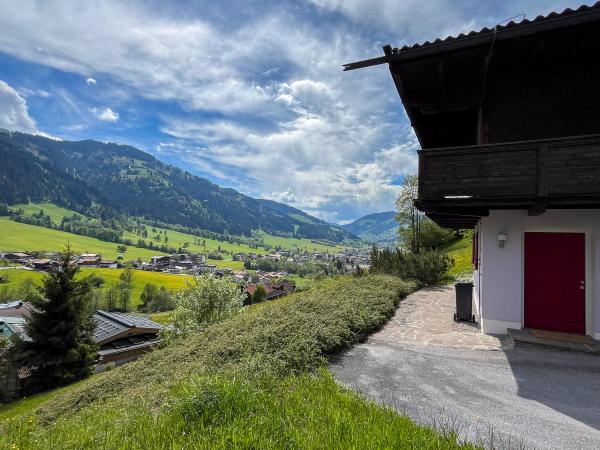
x: 15, y: 236
x: 111, y: 276
x: 302, y: 244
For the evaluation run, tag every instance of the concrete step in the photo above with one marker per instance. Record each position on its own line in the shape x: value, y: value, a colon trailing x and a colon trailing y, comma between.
x: 563, y: 341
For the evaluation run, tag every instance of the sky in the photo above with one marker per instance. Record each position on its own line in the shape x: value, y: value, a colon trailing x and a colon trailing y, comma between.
x: 249, y: 94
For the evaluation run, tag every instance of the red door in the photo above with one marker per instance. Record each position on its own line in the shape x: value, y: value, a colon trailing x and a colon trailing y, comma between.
x: 555, y: 281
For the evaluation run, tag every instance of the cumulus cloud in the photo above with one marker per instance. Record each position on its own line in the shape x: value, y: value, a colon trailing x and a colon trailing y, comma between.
x: 105, y: 114
x: 91, y: 81
x: 265, y: 104
x: 286, y: 196
x: 14, y: 114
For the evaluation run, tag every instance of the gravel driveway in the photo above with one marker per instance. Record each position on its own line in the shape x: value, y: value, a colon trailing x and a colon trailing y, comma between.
x: 504, y: 397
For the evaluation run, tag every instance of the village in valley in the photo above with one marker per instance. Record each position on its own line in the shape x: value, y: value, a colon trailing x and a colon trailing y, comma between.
x: 123, y: 336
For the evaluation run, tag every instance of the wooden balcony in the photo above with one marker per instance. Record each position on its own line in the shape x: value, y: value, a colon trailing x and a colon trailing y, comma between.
x: 457, y: 185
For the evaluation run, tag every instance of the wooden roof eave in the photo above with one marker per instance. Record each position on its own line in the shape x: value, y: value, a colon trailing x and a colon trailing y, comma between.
x: 460, y: 43
x: 133, y: 331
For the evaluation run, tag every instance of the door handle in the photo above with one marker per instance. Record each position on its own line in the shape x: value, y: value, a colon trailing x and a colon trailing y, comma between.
x: 582, y: 285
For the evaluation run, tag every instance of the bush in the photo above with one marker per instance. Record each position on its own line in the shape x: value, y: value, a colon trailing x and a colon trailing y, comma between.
x: 162, y: 301
x: 426, y: 267
x: 204, y: 301
x: 431, y: 235
x: 95, y: 281
x: 259, y: 294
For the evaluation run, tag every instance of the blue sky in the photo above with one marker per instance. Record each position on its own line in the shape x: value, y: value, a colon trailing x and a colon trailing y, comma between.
x: 248, y: 94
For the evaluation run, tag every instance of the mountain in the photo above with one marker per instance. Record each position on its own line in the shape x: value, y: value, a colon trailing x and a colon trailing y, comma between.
x: 116, y: 179
x: 380, y: 228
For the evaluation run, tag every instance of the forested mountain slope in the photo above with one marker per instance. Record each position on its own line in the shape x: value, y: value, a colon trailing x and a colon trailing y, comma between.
x: 380, y: 228
x: 108, y: 179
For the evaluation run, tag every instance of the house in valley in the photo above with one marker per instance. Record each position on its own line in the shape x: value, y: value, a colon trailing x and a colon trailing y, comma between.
x: 18, y: 257
x: 123, y: 337
x: 88, y: 260
x: 108, y: 264
x: 508, y: 123
x: 42, y: 264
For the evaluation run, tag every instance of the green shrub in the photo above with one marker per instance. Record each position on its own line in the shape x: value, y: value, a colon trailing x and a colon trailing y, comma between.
x: 259, y: 294
x: 426, y: 267
x: 431, y: 235
x: 205, y: 300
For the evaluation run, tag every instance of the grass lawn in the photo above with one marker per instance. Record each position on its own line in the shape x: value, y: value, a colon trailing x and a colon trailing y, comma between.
x: 23, y: 407
x: 163, y: 318
x: 256, y: 380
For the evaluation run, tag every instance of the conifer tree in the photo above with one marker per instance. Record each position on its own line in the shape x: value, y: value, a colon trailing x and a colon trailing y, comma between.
x: 60, y: 346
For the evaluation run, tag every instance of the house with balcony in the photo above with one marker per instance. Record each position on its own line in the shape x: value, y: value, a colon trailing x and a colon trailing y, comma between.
x: 508, y: 120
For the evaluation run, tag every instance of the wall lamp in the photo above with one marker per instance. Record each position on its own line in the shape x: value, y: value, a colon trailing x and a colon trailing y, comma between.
x: 502, y: 238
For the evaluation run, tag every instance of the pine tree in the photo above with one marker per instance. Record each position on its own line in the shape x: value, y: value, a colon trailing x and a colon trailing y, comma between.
x: 60, y: 346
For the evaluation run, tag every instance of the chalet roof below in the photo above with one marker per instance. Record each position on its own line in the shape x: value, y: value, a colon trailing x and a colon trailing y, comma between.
x: 510, y: 30
x: 110, y: 324
x: 15, y: 308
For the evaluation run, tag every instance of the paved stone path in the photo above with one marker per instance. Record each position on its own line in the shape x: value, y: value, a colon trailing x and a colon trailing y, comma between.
x: 426, y: 318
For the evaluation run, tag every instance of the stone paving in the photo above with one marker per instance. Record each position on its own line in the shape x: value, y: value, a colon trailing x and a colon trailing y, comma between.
x: 426, y: 318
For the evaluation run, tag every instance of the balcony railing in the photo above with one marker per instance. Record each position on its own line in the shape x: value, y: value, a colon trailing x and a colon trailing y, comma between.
x: 563, y: 171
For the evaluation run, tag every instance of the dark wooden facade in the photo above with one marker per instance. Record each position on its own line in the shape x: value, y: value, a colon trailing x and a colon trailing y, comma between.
x: 507, y: 118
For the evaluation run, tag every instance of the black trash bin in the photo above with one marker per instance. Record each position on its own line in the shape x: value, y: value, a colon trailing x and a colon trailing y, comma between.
x: 464, y: 302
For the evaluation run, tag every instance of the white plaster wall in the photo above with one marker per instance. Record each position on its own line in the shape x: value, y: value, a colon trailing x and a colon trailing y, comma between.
x: 476, y: 279
x: 501, y: 269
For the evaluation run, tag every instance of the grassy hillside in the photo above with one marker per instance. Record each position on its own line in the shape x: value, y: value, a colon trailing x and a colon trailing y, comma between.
x: 15, y: 236
x: 194, y: 243
x: 110, y: 276
x: 302, y: 244
x: 253, y: 381
x: 460, y: 251
x: 380, y: 228
x: 56, y: 213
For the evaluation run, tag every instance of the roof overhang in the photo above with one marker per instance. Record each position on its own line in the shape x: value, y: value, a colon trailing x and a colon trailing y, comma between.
x: 511, y: 30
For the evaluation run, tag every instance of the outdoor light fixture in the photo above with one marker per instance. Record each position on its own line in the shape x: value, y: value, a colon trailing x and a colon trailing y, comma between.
x: 502, y: 237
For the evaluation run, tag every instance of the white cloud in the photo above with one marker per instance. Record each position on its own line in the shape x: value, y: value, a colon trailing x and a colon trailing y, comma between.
x: 91, y: 81
x: 265, y: 99
x: 105, y: 114
x: 14, y: 114
x: 407, y: 22
x: 25, y: 92
x: 286, y: 196
x: 415, y: 19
